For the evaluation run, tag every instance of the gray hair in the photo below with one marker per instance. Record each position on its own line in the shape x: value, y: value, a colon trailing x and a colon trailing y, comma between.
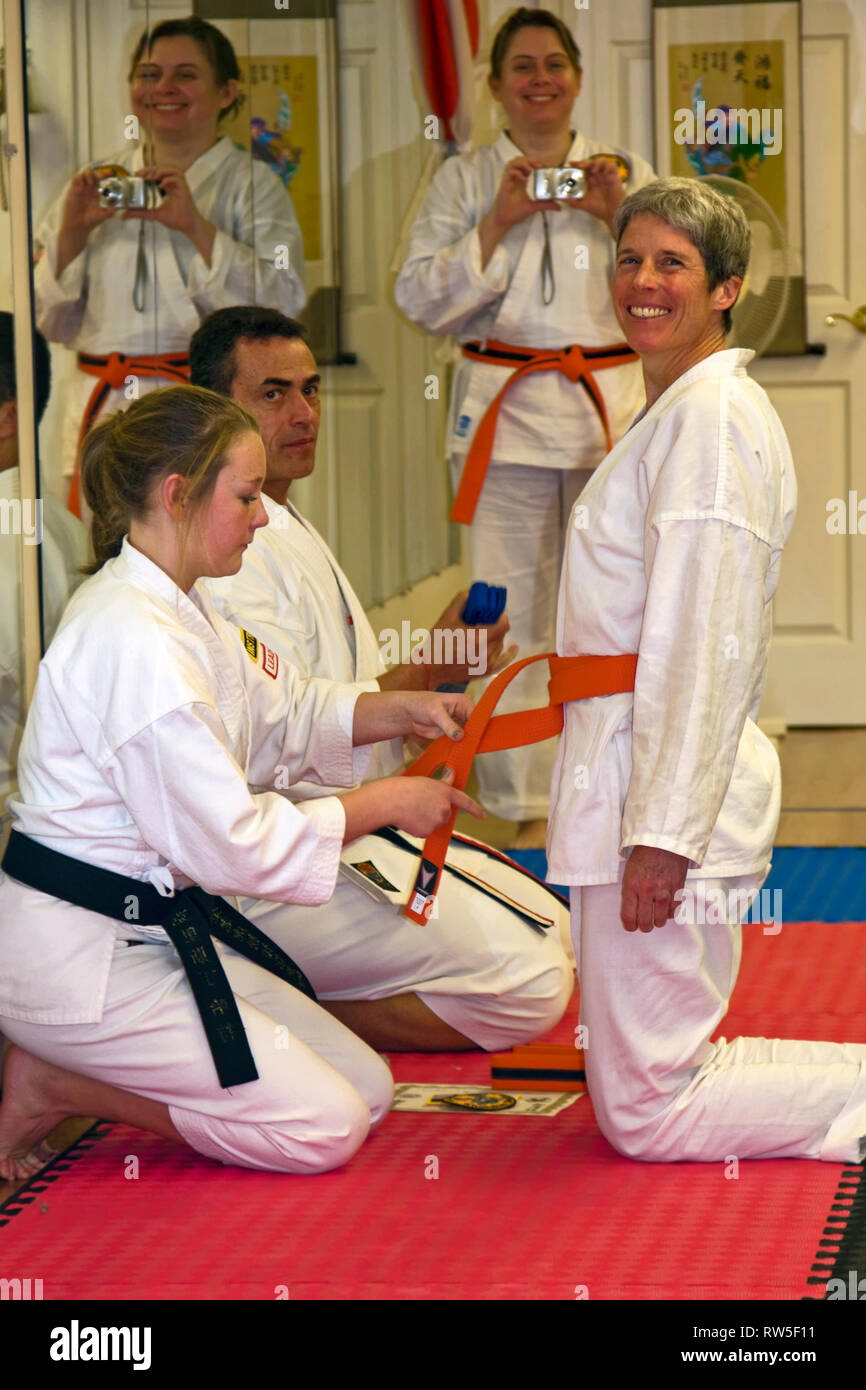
x: 715, y: 224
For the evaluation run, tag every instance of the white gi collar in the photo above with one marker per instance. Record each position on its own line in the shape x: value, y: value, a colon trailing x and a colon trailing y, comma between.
x: 728, y: 362
x: 506, y: 148
x: 131, y: 566
x: 201, y: 168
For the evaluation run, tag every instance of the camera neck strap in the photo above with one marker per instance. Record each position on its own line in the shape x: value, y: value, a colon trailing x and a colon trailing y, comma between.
x: 548, y: 279
x: 138, y: 288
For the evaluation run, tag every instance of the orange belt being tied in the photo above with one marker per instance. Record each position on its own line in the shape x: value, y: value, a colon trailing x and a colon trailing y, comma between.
x: 576, y: 363
x: 111, y: 373
x: 571, y: 678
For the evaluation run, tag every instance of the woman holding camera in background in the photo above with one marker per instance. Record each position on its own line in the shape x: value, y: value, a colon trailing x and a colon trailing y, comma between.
x: 106, y: 284
x: 507, y: 274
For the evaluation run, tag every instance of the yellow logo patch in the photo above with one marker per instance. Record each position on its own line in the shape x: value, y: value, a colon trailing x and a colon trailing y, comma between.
x: 476, y: 1100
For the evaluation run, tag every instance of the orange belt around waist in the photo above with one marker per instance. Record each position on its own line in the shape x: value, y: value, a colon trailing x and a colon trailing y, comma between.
x: 576, y: 363
x: 571, y: 678
x: 111, y: 373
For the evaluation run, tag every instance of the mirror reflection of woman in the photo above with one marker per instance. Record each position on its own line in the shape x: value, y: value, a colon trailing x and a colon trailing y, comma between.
x: 108, y: 283
x: 491, y: 266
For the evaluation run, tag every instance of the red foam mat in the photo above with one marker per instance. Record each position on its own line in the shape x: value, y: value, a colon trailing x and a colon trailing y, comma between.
x: 522, y: 1208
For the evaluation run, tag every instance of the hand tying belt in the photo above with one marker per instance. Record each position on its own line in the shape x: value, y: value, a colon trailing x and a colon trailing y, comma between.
x: 190, y: 918
x: 112, y: 372
x: 571, y: 678
x: 576, y: 363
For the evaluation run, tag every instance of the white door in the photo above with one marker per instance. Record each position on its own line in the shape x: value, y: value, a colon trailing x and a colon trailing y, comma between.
x: 818, y: 663
x: 817, y: 673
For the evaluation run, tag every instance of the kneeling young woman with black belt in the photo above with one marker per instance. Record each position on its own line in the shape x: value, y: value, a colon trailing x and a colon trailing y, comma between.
x: 154, y: 732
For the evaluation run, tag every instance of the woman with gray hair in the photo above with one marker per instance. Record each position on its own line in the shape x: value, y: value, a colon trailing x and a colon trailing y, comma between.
x: 665, y: 801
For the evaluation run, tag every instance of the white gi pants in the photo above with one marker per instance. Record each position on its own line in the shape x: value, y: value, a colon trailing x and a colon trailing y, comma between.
x: 476, y: 966
x: 320, y: 1088
x: 660, y: 1089
x: 517, y: 539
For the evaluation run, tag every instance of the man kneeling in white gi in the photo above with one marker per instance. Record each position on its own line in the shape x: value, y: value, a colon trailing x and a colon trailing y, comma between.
x: 483, y: 972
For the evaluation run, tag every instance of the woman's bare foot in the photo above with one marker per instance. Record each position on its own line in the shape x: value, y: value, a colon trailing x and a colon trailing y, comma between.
x: 27, y: 1114
x: 37, y: 1095
x: 532, y: 834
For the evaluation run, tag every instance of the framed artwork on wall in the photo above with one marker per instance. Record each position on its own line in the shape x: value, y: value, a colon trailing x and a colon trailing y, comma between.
x: 728, y: 109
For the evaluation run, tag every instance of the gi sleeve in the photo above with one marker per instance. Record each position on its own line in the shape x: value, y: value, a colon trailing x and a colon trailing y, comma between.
x: 301, y: 728
x: 60, y: 301
x: 442, y: 283
x: 704, y: 629
x: 262, y: 260
x: 278, y: 622
x: 198, y: 812
x: 11, y: 712
x: 271, y: 605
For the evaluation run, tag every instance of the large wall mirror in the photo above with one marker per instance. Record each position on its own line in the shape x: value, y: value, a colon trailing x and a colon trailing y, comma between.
x: 307, y: 178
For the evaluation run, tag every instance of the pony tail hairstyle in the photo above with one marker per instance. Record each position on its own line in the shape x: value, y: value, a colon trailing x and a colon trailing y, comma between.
x: 175, y: 429
x: 102, y: 486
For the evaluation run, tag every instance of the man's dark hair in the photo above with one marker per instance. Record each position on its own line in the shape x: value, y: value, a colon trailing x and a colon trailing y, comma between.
x: 41, y: 366
x: 212, y: 346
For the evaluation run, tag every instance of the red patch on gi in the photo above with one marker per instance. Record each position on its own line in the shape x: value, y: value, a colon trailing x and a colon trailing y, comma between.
x: 270, y: 661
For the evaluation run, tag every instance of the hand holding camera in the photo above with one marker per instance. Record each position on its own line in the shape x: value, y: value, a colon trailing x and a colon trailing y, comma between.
x: 123, y: 192
x: 157, y: 193
x: 591, y: 185
x: 511, y: 206
x: 160, y: 193
x: 174, y: 206
x: 83, y: 210
x: 513, y: 199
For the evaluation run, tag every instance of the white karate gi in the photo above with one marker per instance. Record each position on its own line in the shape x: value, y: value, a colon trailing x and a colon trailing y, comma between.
x: 673, y: 552
x: 149, y: 720
x: 89, y: 308
x: 60, y: 550
x: 548, y: 436
x: 475, y: 965
x: 291, y: 591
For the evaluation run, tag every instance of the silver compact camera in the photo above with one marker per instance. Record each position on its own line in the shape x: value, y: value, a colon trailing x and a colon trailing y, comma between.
x: 545, y: 184
x: 130, y: 191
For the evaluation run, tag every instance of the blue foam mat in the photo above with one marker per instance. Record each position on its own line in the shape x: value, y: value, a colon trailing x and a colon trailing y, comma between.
x: 817, y: 885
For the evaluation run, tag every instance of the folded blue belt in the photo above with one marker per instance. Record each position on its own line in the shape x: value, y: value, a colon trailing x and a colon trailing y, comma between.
x: 190, y: 918
x: 485, y: 604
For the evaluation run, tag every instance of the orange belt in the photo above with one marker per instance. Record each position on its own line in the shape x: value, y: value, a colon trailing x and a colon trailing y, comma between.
x: 576, y: 363
x: 571, y: 678
x: 111, y: 373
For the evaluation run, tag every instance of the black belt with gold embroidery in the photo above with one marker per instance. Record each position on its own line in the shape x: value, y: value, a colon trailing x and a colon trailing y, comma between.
x: 189, y: 918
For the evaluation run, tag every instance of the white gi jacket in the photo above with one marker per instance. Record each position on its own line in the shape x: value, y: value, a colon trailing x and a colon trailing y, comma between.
x: 291, y: 592
x: 138, y: 755
x: 89, y: 308
x: 544, y: 420
x: 673, y: 552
